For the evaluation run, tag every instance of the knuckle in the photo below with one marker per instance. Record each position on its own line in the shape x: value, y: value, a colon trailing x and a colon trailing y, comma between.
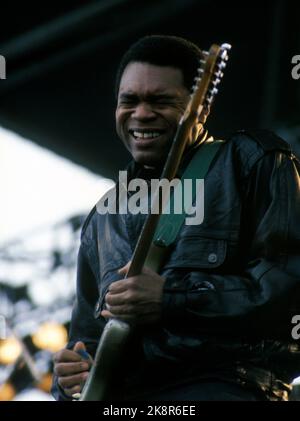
x: 83, y: 366
x: 131, y: 283
x: 129, y: 309
x: 108, y: 299
x: 57, y: 369
x: 57, y: 356
x: 128, y: 294
x: 83, y: 377
x: 62, y: 382
x: 126, y: 310
x: 62, y: 356
x: 131, y: 296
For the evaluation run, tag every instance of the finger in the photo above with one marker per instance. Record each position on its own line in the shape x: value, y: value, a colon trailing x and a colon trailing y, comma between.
x: 126, y: 317
x: 79, y: 346
x: 84, y: 355
x: 147, y: 271
x: 118, y: 287
x: 107, y: 314
x: 132, y: 309
x: 70, y: 381
x: 124, y: 269
x: 67, y: 369
x: 119, y: 305
x: 66, y: 355
x: 120, y: 298
x: 73, y: 390
x: 125, y: 309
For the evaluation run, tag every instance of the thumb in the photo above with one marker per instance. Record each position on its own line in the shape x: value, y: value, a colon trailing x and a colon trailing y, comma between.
x: 124, y: 269
x: 80, y: 348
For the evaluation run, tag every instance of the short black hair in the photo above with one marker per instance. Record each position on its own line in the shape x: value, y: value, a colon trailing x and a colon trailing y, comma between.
x: 163, y: 50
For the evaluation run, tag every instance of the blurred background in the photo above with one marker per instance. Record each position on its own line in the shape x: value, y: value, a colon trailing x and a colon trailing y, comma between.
x: 58, y: 148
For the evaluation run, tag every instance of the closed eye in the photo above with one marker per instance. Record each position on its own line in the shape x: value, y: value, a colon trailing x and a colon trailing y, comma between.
x: 128, y: 99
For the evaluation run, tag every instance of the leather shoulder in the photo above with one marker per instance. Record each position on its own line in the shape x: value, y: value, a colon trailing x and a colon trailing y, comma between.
x: 88, y: 220
x: 268, y: 140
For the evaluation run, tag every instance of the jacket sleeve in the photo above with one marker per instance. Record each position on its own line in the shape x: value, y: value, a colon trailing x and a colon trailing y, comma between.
x: 263, y: 296
x: 84, y: 327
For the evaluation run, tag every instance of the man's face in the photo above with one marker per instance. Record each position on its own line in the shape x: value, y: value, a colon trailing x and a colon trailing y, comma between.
x: 151, y: 101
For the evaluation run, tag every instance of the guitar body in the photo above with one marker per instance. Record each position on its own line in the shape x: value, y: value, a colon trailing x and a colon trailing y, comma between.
x: 101, y: 379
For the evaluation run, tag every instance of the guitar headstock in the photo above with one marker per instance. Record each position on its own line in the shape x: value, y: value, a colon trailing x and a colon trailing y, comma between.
x: 210, y: 74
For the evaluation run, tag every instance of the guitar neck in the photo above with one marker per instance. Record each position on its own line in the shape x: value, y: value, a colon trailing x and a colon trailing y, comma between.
x: 169, y: 172
x: 209, y: 76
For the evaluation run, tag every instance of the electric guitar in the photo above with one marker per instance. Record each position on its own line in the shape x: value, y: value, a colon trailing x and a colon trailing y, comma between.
x: 115, y: 335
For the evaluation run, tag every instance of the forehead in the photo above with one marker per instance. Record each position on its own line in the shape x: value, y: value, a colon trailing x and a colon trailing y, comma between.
x: 145, y: 78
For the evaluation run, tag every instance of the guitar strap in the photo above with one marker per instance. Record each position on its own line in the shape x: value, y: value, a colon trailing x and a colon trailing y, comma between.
x: 170, y: 222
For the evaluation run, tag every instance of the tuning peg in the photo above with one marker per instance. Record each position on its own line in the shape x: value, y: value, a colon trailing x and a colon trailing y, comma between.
x: 216, y: 81
x: 226, y: 46
x: 224, y: 56
x: 200, y: 71
x: 214, y: 91
x: 197, y: 79
x: 205, y: 53
x: 209, y: 100
x: 219, y: 74
x: 202, y: 62
x: 222, y: 65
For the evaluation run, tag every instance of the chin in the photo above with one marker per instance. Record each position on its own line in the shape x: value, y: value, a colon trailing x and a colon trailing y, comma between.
x: 148, y: 160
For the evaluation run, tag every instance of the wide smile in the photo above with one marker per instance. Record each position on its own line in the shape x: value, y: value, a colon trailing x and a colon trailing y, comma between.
x: 146, y: 137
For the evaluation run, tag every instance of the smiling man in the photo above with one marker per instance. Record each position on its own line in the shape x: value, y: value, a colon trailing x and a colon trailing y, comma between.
x: 151, y: 101
x: 215, y: 322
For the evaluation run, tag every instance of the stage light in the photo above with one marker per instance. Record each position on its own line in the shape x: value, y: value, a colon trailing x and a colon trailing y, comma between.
x: 45, y: 382
x: 50, y: 336
x: 10, y: 350
x: 7, y: 392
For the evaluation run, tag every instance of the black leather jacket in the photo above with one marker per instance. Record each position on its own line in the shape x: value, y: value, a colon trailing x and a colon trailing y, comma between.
x: 232, y: 283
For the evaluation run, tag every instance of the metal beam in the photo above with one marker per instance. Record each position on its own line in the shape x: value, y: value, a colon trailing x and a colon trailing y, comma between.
x: 81, y: 32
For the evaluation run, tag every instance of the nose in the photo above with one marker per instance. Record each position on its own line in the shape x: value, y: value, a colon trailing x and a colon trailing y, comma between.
x: 143, y: 111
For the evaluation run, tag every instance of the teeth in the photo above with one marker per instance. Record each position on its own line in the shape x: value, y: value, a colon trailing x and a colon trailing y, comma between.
x: 143, y: 135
